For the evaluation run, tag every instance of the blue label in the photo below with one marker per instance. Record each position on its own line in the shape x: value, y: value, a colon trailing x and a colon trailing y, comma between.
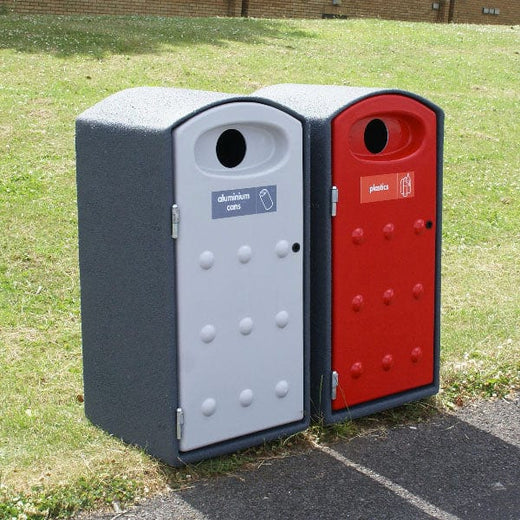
x: 244, y: 201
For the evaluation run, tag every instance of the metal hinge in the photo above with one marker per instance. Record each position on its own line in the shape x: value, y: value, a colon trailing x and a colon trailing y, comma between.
x: 334, y: 385
x: 334, y: 197
x: 180, y: 423
x: 176, y: 217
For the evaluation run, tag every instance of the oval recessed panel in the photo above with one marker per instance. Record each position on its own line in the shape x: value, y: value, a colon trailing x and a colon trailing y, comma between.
x: 241, y: 149
x: 389, y: 136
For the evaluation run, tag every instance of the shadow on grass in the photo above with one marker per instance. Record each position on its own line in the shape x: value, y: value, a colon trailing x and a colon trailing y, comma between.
x: 99, y: 36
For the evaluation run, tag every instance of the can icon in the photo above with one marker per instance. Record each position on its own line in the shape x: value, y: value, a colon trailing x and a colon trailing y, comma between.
x: 267, y: 201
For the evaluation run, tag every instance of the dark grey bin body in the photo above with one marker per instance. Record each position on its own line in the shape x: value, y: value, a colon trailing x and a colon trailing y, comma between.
x: 320, y: 104
x: 125, y: 169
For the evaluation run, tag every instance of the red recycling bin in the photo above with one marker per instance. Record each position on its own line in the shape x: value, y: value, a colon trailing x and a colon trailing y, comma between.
x: 376, y: 171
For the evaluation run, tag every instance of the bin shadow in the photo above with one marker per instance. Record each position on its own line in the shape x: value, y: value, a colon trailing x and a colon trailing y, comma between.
x: 445, y: 461
x: 99, y: 36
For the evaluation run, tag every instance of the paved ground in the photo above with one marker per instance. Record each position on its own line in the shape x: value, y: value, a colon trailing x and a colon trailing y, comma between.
x: 464, y: 466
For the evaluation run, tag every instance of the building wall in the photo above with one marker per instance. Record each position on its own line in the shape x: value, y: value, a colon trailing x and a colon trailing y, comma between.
x: 126, y: 7
x: 471, y: 11
x: 458, y: 11
x: 285, y: 9
x: 409, y: 10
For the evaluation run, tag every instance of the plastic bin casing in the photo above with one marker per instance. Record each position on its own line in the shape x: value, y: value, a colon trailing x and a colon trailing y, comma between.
x: 337, y: 117
x: 126, y: 160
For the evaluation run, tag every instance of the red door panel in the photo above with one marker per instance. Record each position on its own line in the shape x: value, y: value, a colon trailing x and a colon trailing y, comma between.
x: 384, y: 160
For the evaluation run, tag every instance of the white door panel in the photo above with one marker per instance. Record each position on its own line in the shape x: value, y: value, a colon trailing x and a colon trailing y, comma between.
x: 238, y: 186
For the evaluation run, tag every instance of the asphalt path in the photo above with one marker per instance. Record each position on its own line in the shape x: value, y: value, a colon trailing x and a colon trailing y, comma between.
x: 460, y: 466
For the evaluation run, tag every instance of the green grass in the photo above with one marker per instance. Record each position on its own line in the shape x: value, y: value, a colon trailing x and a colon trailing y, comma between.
x: 52, y: 68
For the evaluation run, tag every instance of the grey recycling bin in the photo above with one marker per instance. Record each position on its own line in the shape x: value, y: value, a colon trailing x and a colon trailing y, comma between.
x: 376, y: 192
x: 193, y: 246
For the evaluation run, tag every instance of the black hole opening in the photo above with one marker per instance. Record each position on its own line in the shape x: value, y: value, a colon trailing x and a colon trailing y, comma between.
x: 376, y: 136
x: 296, y: 247
x: 231, y: 148
x: 429, y: 224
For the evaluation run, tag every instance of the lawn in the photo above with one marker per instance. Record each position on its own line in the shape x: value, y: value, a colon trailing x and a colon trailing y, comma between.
x: 52, y: 68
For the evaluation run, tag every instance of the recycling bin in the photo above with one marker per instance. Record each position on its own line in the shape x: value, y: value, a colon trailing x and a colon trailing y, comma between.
x: 193, y: 249
x: 376, y: 170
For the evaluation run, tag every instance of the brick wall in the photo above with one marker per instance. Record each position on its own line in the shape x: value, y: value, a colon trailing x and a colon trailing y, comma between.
x: 471, y: 11
x: 142, y: 7
x: 285, y: 9
x: 407, y: 10
x: 459, y: 11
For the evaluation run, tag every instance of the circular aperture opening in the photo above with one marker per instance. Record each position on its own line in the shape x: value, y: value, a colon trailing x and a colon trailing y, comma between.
x: 376, y: 136
x: 231, y: 148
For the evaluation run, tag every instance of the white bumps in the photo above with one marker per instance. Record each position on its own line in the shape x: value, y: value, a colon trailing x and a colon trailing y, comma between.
x: 282, y: 319
x: 246, y: 397
x: 244, y: 254
x: 208, y: 333
x: 246, y: 326
x: 281, y: 389
x: 206, y: 260
x: 209, y: 406
x: 282, y: 248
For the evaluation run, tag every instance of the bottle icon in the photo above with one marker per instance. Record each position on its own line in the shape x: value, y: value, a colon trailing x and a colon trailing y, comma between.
x: 405, y: 186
